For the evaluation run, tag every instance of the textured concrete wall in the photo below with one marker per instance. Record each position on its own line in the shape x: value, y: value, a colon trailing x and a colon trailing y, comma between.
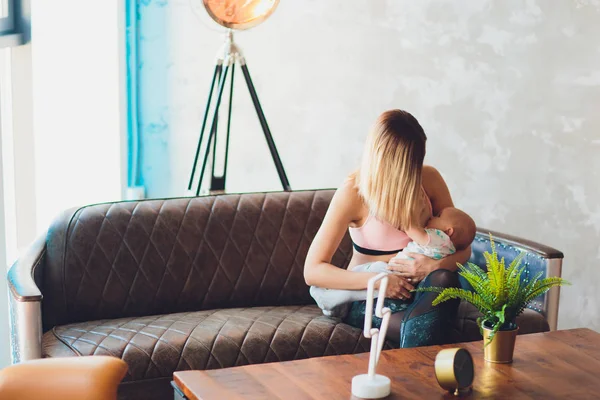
x: 507, y: 91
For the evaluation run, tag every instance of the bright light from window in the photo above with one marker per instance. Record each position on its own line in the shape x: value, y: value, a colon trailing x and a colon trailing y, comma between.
x: 4, y: 8
x: 7, y: 24
x: 8, y: 165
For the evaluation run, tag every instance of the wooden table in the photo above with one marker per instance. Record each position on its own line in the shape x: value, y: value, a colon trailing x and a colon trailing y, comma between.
x: 560, y: 364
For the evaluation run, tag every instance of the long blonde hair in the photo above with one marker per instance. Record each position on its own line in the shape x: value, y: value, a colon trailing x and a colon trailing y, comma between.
x: 389, y: 179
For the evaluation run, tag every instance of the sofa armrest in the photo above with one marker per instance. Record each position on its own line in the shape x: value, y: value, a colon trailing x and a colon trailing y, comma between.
x: 538, y: 258
x: 25, y: 304
x: 20, y: 276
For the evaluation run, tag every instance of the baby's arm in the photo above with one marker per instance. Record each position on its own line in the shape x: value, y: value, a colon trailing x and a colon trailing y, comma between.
x: 418, y: 235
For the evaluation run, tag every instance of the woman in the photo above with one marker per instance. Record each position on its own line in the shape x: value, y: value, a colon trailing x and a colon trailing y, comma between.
x: 391, y: 191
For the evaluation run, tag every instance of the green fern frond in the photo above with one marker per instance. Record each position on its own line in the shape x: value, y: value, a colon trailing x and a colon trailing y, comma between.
x: 496, y: 275
x: 533, y: 281
x: 493, y: 246
x: 516, y: 286
x: 462, y: 294
x: 543, y: 286
x: 514, y: 265
x: 513, y: 285
x: 491, y: 274
x: 501, y: 293
x: 479, y: 284
x: 513, y: 274
x: 525, y: 289
x: 474, y: 268
x: 430, y: 289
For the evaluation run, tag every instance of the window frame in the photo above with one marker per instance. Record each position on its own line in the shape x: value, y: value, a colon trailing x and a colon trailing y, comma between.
x: 11, y: 24
x: 7, y: 23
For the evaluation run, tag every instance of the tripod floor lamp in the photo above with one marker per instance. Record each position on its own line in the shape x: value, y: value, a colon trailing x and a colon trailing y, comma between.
x: 232, y: 14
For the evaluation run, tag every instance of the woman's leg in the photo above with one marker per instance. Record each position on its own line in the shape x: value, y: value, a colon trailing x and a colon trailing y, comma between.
x: 356, y: 317
x: 424, y: 324
x: 394, y: 326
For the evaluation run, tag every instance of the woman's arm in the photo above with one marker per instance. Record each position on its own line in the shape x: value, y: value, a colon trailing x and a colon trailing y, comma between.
x: 420, y: 266
x: 436, y: 189
x: 344, y: 209
x: 450, y: 262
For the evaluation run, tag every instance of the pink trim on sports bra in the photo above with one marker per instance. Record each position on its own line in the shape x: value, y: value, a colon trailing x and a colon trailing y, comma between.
x: 377, y: 237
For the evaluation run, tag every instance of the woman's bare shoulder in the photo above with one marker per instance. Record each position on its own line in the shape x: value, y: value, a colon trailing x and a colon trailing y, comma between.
x: 431, y: 178
x: 436, y: 188
x: 348, y: 191
x: 430, y: 172
x: 348, y: 198
x: 349, y: 185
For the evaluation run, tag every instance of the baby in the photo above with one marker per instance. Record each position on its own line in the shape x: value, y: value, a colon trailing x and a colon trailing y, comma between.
x: 440, y: 238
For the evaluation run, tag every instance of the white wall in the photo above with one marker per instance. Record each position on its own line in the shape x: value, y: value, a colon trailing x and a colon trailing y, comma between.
x: 507, y: 91
x: 23, y: 140
x: 78, y: 119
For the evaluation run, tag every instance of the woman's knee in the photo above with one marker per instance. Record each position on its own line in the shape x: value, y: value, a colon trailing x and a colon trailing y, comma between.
x: 442, y: 278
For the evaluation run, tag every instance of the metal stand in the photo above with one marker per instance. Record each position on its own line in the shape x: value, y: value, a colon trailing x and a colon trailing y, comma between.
x: 372, y: 385
x: 226, y: 60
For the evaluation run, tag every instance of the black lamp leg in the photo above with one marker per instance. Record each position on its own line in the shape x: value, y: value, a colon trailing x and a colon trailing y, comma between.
x: 214, y: 144
x: 215, y: 78
x: 265, y: 127
x: 213, y: 126
x: 217, y: 183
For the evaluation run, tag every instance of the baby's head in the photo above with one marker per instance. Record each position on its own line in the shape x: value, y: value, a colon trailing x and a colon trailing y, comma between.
x: 456, y: 224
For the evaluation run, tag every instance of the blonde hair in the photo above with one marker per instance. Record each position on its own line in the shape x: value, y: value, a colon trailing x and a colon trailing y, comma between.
x: 389, y: 179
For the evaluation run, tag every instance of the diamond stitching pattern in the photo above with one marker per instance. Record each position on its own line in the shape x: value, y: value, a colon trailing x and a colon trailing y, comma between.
x: 157, y: 346
x: 153, y: 257
x: 129, y: 265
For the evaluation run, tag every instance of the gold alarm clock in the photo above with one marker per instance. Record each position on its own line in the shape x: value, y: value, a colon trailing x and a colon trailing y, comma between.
x: 454, y: 370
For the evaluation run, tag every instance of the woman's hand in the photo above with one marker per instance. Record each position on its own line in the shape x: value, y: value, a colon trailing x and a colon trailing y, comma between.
x: 398, y: 287
x: 414, y: 270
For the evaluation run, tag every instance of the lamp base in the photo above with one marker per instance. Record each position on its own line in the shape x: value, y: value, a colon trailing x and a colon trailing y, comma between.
x: 368, y: 387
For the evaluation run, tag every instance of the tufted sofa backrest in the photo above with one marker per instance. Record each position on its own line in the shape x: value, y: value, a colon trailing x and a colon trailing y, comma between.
x: 162, y: 256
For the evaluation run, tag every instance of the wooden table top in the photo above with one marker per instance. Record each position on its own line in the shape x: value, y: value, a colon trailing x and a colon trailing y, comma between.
x: 560, y: 364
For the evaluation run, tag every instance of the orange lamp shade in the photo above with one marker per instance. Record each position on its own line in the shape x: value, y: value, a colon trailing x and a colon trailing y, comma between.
x: 240, y: 14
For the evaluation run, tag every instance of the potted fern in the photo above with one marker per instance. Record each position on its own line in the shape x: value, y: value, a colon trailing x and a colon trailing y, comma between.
x: 500, y: 294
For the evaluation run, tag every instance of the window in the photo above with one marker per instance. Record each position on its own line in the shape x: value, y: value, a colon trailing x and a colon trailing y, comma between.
x: 7, y: 223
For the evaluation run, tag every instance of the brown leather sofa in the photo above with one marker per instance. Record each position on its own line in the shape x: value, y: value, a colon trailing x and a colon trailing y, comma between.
x: 200, y: 283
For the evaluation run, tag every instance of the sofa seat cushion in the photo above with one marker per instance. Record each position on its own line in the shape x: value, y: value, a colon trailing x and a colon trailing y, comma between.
x: 467, y: 330
x: 156, y: 346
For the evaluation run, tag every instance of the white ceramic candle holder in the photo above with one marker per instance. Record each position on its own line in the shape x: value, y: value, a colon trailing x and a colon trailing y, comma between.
x: 371, y: 385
